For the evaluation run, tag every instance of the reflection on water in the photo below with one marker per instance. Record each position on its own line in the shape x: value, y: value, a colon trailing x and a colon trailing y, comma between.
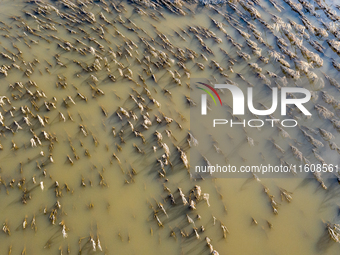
x: 89, y: 84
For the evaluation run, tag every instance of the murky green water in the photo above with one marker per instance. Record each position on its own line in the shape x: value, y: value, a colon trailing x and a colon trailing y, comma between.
x: 114, y: 200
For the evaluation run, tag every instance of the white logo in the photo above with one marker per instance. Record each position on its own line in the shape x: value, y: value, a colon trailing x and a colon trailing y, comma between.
x: 239, y: 101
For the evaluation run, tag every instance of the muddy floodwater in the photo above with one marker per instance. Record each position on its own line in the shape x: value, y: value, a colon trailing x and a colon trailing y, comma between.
x: 96, y: 133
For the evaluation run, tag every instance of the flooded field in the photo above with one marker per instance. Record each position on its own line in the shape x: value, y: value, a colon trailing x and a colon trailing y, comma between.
x: 95, y: 127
